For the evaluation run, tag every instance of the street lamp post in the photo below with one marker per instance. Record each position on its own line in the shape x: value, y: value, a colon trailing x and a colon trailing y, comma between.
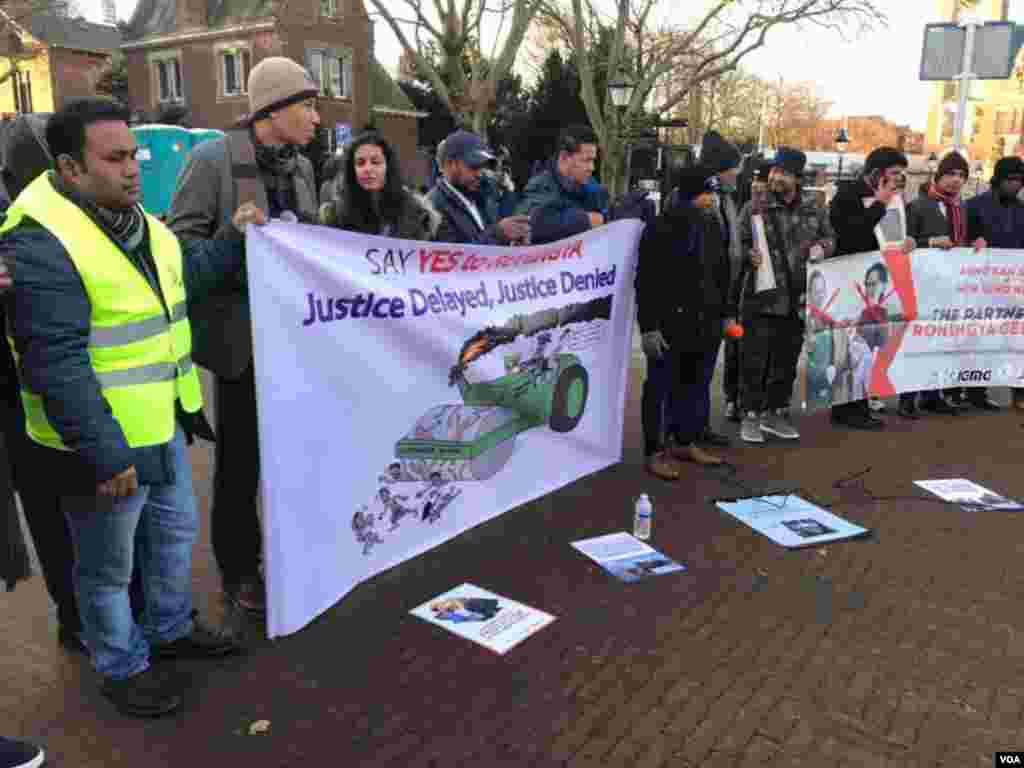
x: 842, y: 142
x: 620, y: 91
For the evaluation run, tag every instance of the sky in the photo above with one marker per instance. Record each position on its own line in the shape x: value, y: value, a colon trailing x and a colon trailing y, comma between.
x: 869, y: 74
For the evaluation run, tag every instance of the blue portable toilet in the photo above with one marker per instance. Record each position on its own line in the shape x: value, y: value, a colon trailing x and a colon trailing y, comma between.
x: 163, y: 150
x: 199, y: 135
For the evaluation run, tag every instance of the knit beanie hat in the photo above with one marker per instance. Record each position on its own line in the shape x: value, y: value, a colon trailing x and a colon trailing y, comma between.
x: 25, y: 153
x: 882, y: 158
x: 1007, y: 166
x: 790, y: 160
x: 694, y: 181
x: 277, y: 82
x: 718, y: 154
x: 764, y: 170
x: 952, y: 163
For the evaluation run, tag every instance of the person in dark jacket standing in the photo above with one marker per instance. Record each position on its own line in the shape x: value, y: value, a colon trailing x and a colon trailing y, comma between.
x: 100, y: 329
x: 259, y: 163
x: 938, y: 219
x: 724, y: 159
x: 469, y: 200
x: 796, y: 233
x: 683, y: 305
x: 857, y: 208
x: 997, y: 216
x: 564, y: 200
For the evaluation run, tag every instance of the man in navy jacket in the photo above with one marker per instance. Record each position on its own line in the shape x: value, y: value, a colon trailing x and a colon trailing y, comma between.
x: 468, y: 201
x: 564, y: 200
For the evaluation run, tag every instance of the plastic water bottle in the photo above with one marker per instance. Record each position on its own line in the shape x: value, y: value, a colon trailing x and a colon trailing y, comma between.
x: 642, y: 519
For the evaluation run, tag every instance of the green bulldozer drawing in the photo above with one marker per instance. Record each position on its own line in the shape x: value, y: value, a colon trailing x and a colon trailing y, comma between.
x: 474, y: 440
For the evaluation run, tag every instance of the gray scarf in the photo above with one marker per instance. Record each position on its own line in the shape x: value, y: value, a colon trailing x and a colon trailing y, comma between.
x: 126, y: 227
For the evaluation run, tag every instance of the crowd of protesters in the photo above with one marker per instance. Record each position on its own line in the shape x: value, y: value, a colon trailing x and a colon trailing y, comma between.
x: 110, y: 310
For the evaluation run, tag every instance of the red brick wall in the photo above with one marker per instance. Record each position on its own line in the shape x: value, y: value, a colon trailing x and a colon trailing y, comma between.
x: 74, y: 74
x: 401, y: 132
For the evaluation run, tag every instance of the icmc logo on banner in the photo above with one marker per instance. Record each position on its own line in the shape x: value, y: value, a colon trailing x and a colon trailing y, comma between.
x: 409, y: 391
x: 887, y: 322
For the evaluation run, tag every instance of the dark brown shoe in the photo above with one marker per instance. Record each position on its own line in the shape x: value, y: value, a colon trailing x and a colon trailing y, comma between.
x: 698, y: 455
x: 202, y: 643
x: 662, y: 467
x: 146, y: 694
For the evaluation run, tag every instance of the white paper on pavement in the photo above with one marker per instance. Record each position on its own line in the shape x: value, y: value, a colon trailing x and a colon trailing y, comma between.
x: 969, y: 495
x: 765, y: 277
x: 490, y: 620
x: 626, y: 557
x: 791, y: 521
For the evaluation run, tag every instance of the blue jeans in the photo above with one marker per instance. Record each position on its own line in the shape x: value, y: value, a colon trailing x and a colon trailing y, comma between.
x: 159, y: 525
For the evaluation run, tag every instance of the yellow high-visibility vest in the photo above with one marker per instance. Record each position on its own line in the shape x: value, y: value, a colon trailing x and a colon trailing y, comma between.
x: 141, y: 358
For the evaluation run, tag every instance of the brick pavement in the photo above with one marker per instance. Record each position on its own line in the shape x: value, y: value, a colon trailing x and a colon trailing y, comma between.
x: 904, y: 649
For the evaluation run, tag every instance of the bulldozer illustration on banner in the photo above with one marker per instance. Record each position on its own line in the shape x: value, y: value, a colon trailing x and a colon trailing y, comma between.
x: 474, y: 440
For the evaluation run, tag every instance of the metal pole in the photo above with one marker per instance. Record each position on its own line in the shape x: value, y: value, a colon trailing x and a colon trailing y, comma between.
x: 965, y: 77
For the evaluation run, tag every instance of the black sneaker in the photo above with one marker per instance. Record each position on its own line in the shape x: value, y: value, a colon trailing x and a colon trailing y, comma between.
x: 20, y: 754
x: 147, y: 694
x: 984, y: 403
x: 857, y: 420
x: 940, y: 406
x: 202, y: 643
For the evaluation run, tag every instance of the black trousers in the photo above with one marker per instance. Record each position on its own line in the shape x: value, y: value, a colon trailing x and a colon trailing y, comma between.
x: 235, y: 524
x: 731, y: 372
x: 676, y: 397
x: 771, y: 349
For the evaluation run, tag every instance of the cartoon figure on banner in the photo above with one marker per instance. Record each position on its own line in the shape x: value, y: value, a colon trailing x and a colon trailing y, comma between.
x: 364, y: 526
x: 393, y: 503
x: 462, y: 609
x: 435, y: 498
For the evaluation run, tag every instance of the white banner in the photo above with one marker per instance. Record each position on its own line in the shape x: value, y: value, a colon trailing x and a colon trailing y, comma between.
x: 887, y: 322
x: 410, y: 391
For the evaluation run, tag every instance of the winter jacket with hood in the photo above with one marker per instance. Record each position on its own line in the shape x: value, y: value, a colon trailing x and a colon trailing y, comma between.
x: 416, y: 220
x: 558, y: 206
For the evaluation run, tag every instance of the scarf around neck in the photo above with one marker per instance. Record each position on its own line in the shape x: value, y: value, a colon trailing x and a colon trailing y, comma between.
x: 954, y: 211
x: 279, y: 162
x: 126, y: 227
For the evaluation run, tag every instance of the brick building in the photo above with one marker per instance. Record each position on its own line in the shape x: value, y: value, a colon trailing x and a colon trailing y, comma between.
x: 55, y: 59
x: 867, y: 132
x: 198, y: 54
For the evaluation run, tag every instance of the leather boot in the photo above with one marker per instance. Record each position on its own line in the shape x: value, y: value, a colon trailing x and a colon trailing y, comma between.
x: 662, y: 467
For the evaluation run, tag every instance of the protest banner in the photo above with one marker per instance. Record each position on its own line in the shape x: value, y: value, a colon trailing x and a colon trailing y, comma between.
x: 409, y: 391
x: 887, y: 322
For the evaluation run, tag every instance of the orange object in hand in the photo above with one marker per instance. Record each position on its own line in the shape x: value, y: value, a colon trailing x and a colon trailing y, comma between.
x: 734, y: 331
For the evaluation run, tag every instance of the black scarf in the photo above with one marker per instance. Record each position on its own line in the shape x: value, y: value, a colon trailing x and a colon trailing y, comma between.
x: 278, y: 162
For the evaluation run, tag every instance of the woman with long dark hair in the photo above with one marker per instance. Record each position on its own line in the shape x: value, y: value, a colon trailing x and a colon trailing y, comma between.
x: 371, y: 196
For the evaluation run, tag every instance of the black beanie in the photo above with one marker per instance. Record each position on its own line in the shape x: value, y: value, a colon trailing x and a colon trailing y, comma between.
x: 764, y: 170
x: 1007, y: 166
x: 718, y: 154
x: 884, y: 157
x: 694, y: 181
x: 952, y: 163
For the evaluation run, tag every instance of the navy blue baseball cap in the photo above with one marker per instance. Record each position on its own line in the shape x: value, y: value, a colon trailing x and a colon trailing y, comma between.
x: 468, y: 147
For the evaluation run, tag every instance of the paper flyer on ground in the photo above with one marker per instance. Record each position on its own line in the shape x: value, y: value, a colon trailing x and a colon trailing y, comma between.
x: 791, y: 521
x: 491, y: 620
x: 969, y: 496
x: 626, y: 557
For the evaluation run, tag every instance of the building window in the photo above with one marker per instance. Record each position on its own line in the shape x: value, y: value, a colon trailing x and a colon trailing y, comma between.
x: 332, y: 70
x: 328, y: 7
x: 168, y: 76
x: 234, y: 68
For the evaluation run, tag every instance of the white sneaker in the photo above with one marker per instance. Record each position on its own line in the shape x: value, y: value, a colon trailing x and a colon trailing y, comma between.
x: 777, y: 423
x: 750, y: 429
x: 876, y: 404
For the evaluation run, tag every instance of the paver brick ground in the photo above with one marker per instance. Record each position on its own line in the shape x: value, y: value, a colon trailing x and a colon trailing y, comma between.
x: 901, y: 650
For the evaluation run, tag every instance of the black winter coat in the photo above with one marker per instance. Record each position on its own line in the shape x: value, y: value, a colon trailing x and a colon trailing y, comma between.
x: 682, y: 284
x: 854, y: 224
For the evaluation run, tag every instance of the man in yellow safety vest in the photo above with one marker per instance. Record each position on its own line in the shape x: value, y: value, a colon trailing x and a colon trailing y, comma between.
x: 101, y: 336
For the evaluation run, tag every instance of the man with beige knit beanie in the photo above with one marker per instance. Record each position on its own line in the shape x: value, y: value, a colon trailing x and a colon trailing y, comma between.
x: 259, y: 162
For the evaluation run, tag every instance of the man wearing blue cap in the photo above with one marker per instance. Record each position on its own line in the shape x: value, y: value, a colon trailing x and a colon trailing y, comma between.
x: 469, y: 201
